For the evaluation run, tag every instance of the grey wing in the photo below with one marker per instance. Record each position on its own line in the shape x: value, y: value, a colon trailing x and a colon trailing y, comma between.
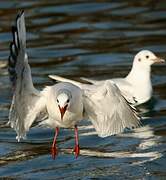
x: 27, y: 102
x: 124, y: 86
x: 108, y: 110
x: 126, y: 89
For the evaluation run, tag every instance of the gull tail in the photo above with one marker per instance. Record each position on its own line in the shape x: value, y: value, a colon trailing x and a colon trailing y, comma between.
x: 61, y: 79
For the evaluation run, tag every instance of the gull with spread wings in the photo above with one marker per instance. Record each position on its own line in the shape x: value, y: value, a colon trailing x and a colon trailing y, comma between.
x: 63, y: 104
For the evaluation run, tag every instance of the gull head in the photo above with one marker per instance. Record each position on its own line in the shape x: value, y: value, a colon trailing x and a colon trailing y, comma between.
x: 147, y: 58
x: 63, y: 101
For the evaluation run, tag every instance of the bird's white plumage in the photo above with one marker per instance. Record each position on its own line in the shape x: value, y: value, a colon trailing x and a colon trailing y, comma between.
x: 136, y: 87
x: 75, y: 106
x: 25, y: 95
x: 102, y: 104
x: 28, y: 103
x: 108, y: 110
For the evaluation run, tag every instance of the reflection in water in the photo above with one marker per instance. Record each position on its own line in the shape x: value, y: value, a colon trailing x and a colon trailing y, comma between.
x: 96, y: 39
x: 147, y: 141
x: 27, y: 154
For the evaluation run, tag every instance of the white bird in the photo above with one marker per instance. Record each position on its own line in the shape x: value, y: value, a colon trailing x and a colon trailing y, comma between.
x: 63, y: 104
x: 60, y: 105
x: 108, y: 110
x: 136, y: 87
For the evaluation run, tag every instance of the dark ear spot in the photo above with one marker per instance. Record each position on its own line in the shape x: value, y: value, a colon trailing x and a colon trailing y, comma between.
x: 139, y: 59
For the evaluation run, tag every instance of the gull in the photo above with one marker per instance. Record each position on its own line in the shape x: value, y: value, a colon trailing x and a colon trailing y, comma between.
x: 63, y: 104
x: 104, y: 105
x: 136, y: 87
x: 57, y: 106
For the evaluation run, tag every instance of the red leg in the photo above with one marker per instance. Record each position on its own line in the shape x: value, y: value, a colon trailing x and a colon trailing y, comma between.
x: 54, y: 150
x: 77, y: 148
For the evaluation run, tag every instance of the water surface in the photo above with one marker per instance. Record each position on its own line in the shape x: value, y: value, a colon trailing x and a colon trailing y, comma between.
x: 96, y: 39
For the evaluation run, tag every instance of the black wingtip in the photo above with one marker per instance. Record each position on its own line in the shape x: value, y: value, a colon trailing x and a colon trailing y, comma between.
x: 14, y: 30
x: 19, y: 14
x: 14, y: 49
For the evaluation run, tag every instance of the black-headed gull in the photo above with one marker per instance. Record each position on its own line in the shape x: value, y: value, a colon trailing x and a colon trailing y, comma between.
x: 104, y: 105
x: 136, y: 86
x: 63, y: 104
x: 60, y: 105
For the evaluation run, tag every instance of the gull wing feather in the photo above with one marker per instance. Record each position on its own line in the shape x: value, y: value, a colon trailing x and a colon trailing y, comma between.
x: 90, y: 80
x: 27, y: 101
x: 62, y: 79
x: 124, y: 86
x: 105, y: 106
x: 126, y: 89
x: 108, y: 110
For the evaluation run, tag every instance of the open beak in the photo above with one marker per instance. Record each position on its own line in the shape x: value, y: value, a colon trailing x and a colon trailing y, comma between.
x: 62, y: 111
x: 158, y: 60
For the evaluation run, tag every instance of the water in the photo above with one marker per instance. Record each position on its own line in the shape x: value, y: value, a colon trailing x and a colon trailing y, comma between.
x: 96, y: 39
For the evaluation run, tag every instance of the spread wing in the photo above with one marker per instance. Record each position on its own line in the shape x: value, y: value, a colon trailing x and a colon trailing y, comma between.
x: 105, y: 106
x: 126, y: 89
x: 108, y: 110
x: 27, y: 102
x: 124, y: 86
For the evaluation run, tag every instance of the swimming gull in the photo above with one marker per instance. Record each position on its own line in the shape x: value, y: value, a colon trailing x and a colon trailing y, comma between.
x: 136, y: 87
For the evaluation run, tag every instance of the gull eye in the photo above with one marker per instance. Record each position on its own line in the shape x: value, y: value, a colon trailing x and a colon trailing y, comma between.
x: 67, y: 101
x: 147, y: 57
x: 57, y: 101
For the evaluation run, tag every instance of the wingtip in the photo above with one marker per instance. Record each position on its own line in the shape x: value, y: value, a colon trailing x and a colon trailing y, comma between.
x: 13, y: 28
x: 21, y: 13
x: 14, y: 46
x: 19, y: 16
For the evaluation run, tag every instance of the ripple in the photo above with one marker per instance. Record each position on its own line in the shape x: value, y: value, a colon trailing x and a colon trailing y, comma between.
x: 96, y: 39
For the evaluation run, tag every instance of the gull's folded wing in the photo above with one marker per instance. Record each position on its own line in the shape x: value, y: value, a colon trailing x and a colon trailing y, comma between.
x: 108, y: 110
x: 27, y: 102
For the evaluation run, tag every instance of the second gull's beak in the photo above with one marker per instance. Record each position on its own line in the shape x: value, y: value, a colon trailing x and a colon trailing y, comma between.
x: 158, y: 60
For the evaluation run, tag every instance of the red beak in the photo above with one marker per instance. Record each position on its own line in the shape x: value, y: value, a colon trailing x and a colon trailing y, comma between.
x: 62, y: 111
